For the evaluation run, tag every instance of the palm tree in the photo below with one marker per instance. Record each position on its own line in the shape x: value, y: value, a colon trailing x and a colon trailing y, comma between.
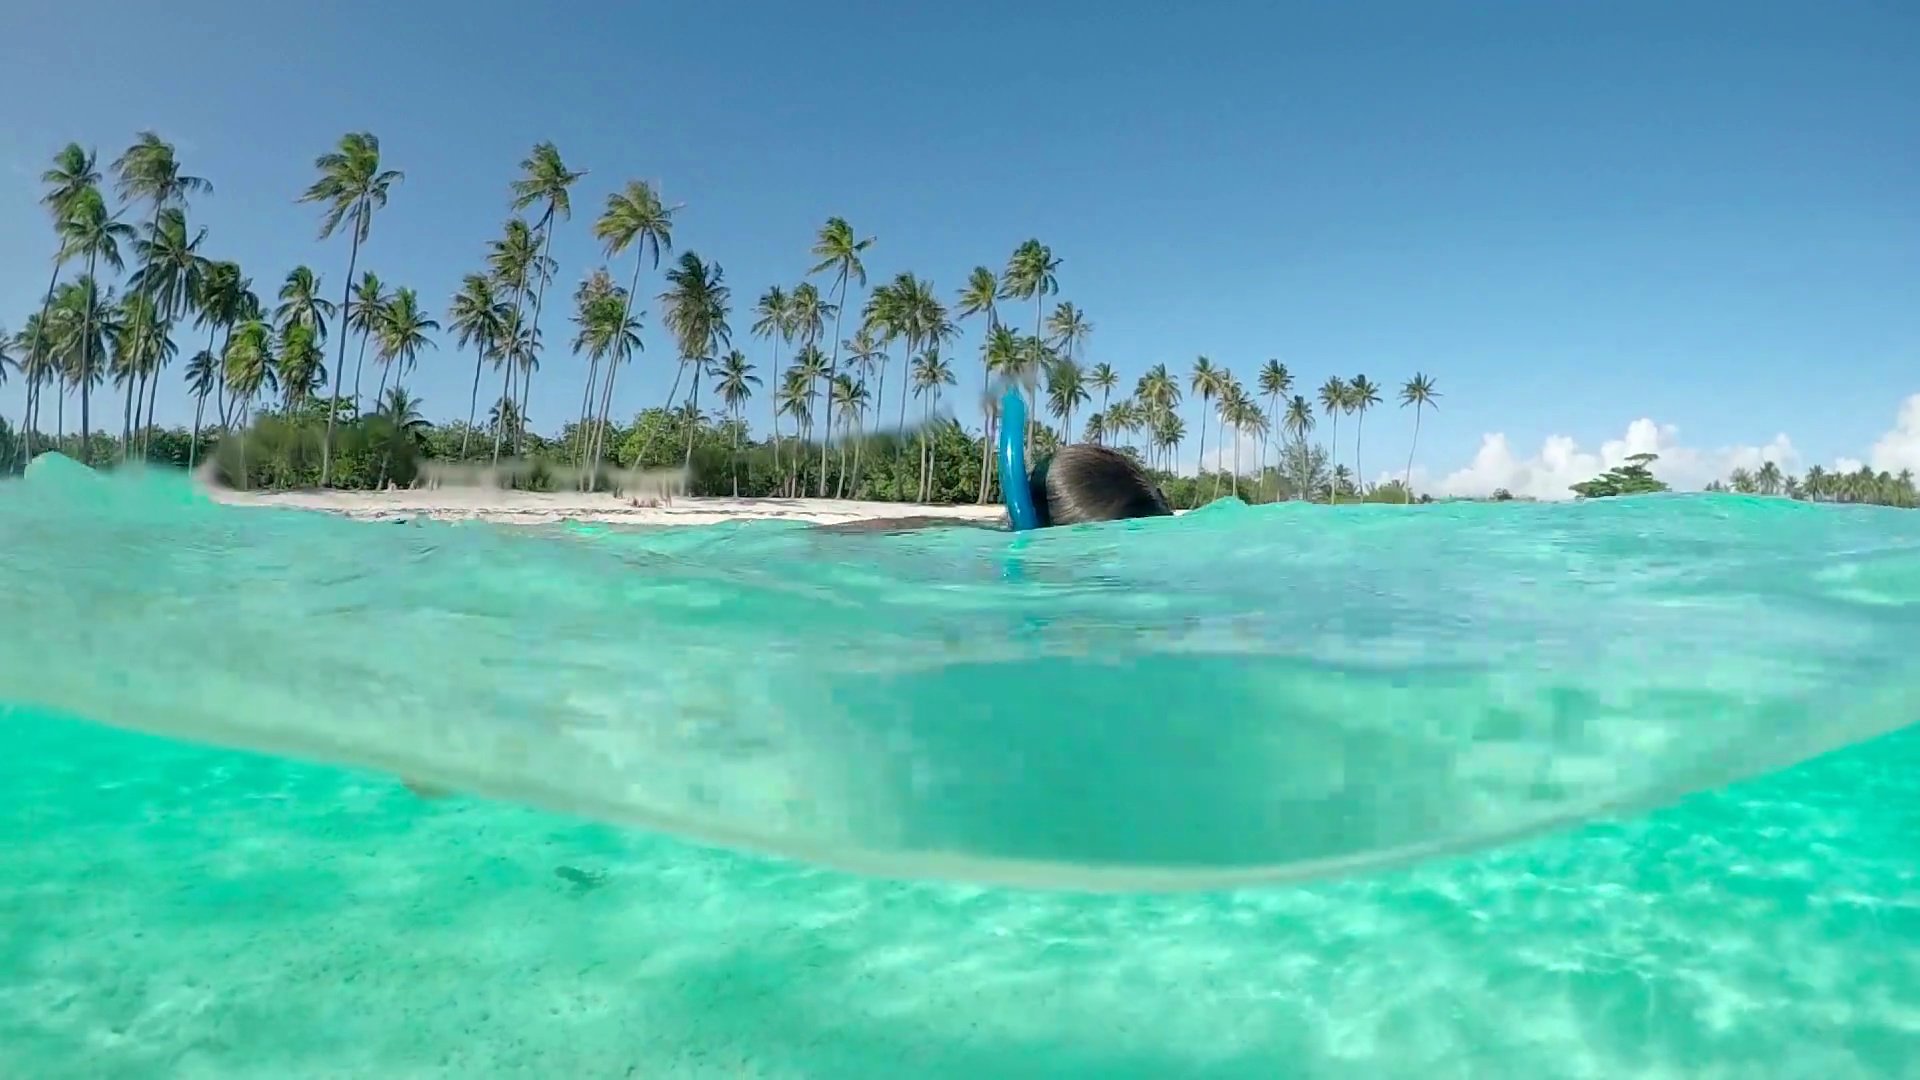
x: 515, y: 260
x: 1066, y: 391
x: 1362, y: 394
x: 1104, y: 379
x: 301, y: 305
x: 148, y: 171
x: 363, y: 317
x: 1298, y: 421
x: 1333, y: 399
x: 301, y: 366
x: 1207, y: 381
x: 476, y: 318
x: 794, y: 399
x: 1419, y: 393
x: 734, y: 382
x: 544, y: 180
x: 864, y: 356
x: 172, y: 276
x: 203, y: 374
x: 977, y: 298
x: 850, y: 394
x: 811, y: 364
x: 694, y: 309
x: 634, y: 216
x: 1231, y: 395
x: 249, y: 369
x: 72, y: 176
x: 226, y: 300
x: 1158, y: 394
x: 1031, y: 275
x: 352, y: 185
x: 930, y: 374
x: 839, y: 252
x: 1068, y: 330
x: 773, y: 319
x: 1275, y: 383
x: 90, y: 232
x: 399, y: 414
x: 609, y: 331
x: 402, y: 332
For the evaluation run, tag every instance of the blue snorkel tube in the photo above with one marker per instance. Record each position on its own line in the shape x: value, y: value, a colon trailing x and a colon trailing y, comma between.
x: 1013, y: 462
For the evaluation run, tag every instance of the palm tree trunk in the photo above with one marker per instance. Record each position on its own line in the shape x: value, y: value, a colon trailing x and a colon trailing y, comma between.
x: 613, y: 368
x: 1200, y: 458
x: 539, y: 295
x: 473, y: 398
x: 833, y: 372
x: 1408, y: 482
x: 693, y: 416
x: 736, y: 455
x: 126, y: 418
x: 499, y: 409
x: 33, y: 348
x: 579, y: 447
x: 340, y: 358
x: 153, y: 397
x: 86, y: 369
x: 1359, y: 432
x: 1333, y: 460
x: 386, y: 369
x: 193, y: 437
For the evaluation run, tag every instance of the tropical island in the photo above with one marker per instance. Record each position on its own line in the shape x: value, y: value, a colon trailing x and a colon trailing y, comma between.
x: 310, y: 392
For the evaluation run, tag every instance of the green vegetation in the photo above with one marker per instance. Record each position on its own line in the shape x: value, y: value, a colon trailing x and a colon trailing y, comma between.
x: 1861, y: 485
x: 1633, y: 478
x: 274, y: 405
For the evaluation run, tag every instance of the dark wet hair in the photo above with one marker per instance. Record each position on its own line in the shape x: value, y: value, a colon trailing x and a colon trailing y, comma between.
x: 1082, y: 482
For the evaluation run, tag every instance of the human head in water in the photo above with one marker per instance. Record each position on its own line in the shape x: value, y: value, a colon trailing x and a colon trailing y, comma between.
x: 1082, y: 482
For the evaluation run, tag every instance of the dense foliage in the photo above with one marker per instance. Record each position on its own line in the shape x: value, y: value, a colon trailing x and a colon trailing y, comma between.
x: 276, y: 406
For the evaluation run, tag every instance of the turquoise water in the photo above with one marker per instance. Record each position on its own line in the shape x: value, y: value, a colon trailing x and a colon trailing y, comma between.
x: 1395, y: 700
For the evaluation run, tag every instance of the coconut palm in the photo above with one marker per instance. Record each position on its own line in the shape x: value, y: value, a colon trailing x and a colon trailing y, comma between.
x: 850, y: 394
x: 1031, y: 274
x: 1231, y: 393
x: 694, y: 309
x: 1299, y: 421
x: 1333, y: 399
x: 516, y: 263
x: 1158, y: 395
x: 300, y: 365
x: 1419, y: 393
x: 634, y: 217
x: 249, y: 371
x: 1207, y: 381
x: 172, y: 276
x: 302, y: 305
x: 226, y: 300
x: 363, y: 317
x: 773, y: 319
x: 794, y: 399
x: 1066, y: 391
x: 547, y: 182
x: 140, y: 347
x: 351, y: 187
x: 865, y: 356
x: 400, y: 333
x: 930, y: 374
x: 609, y: 331
x: 203, y: 374
x: 1104, y: 379
x: 1068, y: 330
x: 838, y: 252
x: 90, y: 233
x: 977, y: 298
x: 74, y: 173
x: 476, y: 317
x: 1362, y: 394
x: 734, y: 381
x: 148, y: 172
x: 1275, y: 382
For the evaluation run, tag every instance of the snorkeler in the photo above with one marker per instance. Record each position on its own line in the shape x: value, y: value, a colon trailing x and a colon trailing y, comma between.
x: 1074, y: 485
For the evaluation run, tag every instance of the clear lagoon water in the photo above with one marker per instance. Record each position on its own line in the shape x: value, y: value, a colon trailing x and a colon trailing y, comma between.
x: 1257, y: 792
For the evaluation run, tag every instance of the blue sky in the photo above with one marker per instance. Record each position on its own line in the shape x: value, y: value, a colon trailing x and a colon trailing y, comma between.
x: 1572, y: 216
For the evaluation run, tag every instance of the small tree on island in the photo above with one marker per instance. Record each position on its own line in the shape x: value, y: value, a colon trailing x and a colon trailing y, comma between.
x: 1634, y: 478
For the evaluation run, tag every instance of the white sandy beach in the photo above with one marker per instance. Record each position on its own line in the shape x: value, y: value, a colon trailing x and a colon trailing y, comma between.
x: 544, y: 508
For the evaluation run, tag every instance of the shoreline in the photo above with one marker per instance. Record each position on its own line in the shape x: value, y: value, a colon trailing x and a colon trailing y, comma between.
x: 508, y: 507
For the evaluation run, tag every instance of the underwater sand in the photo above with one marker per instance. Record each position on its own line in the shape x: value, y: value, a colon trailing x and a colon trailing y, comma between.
x: 179, y: 912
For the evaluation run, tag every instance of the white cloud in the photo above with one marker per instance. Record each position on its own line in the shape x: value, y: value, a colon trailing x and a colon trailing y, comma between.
x: 1900, y: 448
x: 1561, y: 463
